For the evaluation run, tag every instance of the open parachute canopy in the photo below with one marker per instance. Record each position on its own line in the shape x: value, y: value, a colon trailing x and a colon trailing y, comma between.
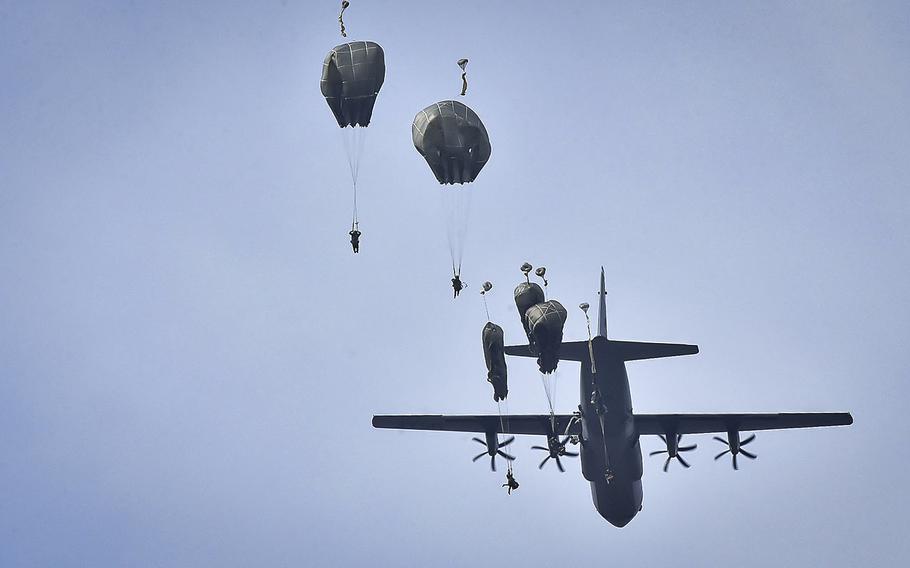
x: 352, y: 75
x: 453, y: 140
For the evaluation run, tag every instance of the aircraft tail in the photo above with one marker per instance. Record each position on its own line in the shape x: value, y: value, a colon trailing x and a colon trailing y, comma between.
x: 602, y: 311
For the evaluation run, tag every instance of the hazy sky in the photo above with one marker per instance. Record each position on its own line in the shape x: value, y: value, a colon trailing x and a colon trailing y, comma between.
x: 190, y: 354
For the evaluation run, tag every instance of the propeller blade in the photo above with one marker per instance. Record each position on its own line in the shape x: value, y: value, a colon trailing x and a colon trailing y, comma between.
x: 509, y: 457
x: 478, y: 456
x: 749, y: 455
x: 559, y: 465
x: 507, y: 442
x: 719, y: 439
x: 493, y: 462
x: 543, y: 462
x: 747, y: 440
x: 687, y: 448
x: 658, y: 452
x: 666, y: 464
x: 717, y: 457
x: 735, y: 466
x: 682, y: 461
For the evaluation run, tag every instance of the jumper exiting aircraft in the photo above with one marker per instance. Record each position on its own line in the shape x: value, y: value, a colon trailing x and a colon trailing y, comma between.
x: 605, y: 426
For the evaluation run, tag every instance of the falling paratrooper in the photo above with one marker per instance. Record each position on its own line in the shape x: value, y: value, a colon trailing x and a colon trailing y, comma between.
x: 455, y: 144
x: 352, y: 75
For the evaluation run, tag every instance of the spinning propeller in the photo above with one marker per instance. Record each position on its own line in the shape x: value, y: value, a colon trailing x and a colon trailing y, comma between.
x: 734, y: 447
x: 556, y: 449
x: 493, y: 450
x: 673, y: 449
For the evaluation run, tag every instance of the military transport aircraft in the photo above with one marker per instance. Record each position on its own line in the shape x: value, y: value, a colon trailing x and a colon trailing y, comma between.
x: 605, y: 425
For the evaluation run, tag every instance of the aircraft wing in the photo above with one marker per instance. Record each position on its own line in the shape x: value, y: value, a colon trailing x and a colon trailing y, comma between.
x: 722, y: 423
x: 514, y: 424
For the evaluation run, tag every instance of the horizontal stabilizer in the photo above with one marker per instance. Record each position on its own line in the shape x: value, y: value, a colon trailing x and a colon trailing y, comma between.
x: 635, y: 350
x: 624, y: 350
x: 568, y: 351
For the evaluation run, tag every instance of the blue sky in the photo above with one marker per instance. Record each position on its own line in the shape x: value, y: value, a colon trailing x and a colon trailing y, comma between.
x: 190, y: 354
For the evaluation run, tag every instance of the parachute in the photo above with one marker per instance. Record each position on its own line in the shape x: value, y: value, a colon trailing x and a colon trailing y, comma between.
x: 546, y: 321
x: 527, y: 294
x: 352, y: 75
x: 463, y: 63
x: 454, y: 142
x: 494, y: 355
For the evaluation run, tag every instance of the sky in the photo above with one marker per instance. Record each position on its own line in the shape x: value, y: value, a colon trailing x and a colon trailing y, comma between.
x: 190, y: 354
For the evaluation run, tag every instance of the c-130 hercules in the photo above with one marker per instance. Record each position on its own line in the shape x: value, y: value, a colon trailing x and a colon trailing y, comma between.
x: 606, y: 427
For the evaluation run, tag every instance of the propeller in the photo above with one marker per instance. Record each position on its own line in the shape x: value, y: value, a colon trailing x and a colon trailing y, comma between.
x: 494, y: 453
x: 673, y: 449
x: 556, y: 449
x: 734, y: 447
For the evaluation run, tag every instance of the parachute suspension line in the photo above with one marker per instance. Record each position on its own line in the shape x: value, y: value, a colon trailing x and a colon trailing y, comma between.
x: 457, y: 207
x: 584, y: 307
x: 548, y: 390
x: 504, y: 424
x: 486, y: 287
x: 353, y: 148
x: 344, y: 6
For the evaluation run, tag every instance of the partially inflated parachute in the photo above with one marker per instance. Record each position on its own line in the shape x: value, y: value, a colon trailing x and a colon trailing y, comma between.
x: 527, y: 294
x: 546, y: 321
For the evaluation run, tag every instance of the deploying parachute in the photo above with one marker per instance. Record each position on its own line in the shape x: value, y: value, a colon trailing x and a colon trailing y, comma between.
x: 527, y: 295
x: 455, y: 144
x: 546, y: 321
x: 352, y: 75
x: 494, y: 355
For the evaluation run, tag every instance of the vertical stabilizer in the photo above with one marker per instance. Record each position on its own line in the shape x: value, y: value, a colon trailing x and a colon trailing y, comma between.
x: 602, y: 312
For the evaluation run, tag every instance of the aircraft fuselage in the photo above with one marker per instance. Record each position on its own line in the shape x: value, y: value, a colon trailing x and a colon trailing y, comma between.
x: 610, y: 451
